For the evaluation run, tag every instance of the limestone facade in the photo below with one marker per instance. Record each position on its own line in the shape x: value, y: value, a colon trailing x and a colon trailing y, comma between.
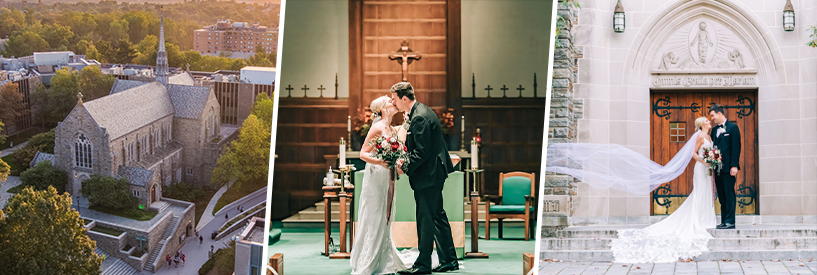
x: 615, y: 73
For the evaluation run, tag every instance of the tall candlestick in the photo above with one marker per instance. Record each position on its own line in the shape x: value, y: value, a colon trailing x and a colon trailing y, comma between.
x: 462, y: 127
x: 349, y: 124
x: 474, y: 154
x: 342, y: 153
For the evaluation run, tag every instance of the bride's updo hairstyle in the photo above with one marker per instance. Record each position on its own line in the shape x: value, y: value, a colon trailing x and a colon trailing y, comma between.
x: 699, y: 123
x: 377, y: 106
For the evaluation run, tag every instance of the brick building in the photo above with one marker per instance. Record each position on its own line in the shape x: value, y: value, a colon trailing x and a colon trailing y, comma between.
x: 234, y: 37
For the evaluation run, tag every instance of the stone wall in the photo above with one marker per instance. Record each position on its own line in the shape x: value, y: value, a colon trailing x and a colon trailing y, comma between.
x: 558, y: 189
x: 79, y: 122
x: 176, y: 241
x: 120, y: 145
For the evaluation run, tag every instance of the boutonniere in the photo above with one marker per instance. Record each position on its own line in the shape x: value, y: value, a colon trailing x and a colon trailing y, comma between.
x: 406, y: 123
x: 721, y: 130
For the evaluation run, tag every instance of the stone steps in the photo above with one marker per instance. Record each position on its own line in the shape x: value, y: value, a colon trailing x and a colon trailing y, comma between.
x: 717, y: 244
x: 748, y: 242
x: 115, y: 266
x: 744, y: 255
x: 155, y: 254
x: 160, y: 206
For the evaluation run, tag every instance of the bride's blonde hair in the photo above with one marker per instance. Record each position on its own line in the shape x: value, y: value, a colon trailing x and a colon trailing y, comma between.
x: 377, y: 106
x: 699, y: 123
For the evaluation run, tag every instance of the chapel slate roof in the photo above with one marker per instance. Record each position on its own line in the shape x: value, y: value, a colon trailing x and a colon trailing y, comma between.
x: 40, y: 157
x: 181, y: 79
x: 189, y: 101
x: 121, y: 85
x: 131, y: 109
x: 136, y: 176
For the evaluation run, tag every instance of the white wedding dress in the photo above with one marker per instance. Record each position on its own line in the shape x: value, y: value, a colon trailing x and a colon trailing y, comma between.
x: 374, y: 251
x: 682, y: 235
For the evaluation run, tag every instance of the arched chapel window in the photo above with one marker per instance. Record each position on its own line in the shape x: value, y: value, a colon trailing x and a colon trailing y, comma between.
x: 82, y: 152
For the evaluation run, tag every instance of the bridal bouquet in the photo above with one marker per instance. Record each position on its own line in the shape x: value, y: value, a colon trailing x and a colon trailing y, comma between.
x: 712, y: 156
x: 389, y: 149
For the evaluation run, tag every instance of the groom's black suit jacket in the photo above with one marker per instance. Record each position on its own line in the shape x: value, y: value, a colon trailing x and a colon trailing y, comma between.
x: 729, y: 145
x: 428, y: 162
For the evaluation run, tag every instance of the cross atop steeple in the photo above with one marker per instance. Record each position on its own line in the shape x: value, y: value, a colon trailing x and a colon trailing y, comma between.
x: 161, y: 55
x: 79, y: 98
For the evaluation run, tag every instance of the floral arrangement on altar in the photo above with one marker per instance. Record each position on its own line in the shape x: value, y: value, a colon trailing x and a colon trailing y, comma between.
x: 362, y: 122
x: 447, y: 121
x: 813, y: 42
x: 712, y: 156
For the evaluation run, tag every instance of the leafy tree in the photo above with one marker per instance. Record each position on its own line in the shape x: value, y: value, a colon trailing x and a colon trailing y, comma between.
x: 5, y: 169
x: 93, y: 53
x: 10, y: 102
x: 262, y: 58
x: 45, y: 175
x: 42, y: 142
x: 108, y: 192
x: 263, y: 108
x: 25, y: 44
x: 190, y: 57
x: 57, y: 35
x: 105, y: 50
x: 81, y: 47
x: 124, y: 52
x: 42, y: 235
x: 11, y: 21
x: 246, y: 159
x: 94, y: 84
x: 54, y: 104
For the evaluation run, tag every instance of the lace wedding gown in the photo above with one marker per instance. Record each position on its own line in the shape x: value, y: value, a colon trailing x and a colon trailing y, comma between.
x: 374, y: 251
x: 682, y: 235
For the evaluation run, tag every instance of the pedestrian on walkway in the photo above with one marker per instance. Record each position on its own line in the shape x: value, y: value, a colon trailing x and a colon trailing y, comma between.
x: 168, y: 260
x: 201, y: 240
x: 226, y: 217
x: 182, y: 259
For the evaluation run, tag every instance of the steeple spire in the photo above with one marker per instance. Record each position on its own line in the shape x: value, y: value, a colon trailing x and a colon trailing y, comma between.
x: 161, y: 55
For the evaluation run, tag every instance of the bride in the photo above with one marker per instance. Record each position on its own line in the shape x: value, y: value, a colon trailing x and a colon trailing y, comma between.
x: 683, y: 234
x: 374, y: 251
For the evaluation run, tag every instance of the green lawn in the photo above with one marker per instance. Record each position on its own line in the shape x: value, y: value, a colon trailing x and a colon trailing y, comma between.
x: 201, y: 203
x: 109, y: 231
x: 22, y: 137
x: 133, y: 214
x: 234, y: 193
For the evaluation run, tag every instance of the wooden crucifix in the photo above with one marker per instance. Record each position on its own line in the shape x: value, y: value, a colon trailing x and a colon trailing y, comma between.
x: 404, y: 56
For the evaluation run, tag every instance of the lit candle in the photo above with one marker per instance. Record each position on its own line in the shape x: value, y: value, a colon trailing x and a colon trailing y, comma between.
x: 349, y: 124
x: 462, y: 127
x: 342, y: 152
x: 474, y: 154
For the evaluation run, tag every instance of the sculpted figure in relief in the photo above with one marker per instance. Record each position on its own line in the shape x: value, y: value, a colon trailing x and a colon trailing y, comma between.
x: 703, y: 42
x: 735, y: 57
x: 666, y: 60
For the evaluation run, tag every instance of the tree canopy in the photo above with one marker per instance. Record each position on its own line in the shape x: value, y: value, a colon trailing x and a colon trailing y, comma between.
x: 246, y: 159
x: 54, y: 104
x: 42, y: 234
x: 108, y: 192
x: 44, y: 175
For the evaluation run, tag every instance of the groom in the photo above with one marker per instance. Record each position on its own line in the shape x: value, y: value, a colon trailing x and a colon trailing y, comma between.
x: 726, y: 137
x: 427, y: 166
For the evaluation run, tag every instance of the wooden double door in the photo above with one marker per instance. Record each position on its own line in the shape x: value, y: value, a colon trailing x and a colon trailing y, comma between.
x: 672, y: 123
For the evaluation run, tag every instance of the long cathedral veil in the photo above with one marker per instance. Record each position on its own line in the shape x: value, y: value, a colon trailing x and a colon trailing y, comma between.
x: 604, y: 166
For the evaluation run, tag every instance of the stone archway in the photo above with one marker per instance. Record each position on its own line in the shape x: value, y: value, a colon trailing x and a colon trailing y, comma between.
x: 77, y: 184
x: 743, y: 54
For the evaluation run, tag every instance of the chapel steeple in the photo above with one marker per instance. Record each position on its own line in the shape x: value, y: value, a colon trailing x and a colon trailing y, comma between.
x: 161, y: 55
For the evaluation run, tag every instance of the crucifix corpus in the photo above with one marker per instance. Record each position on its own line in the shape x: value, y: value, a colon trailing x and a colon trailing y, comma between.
x: 404, y: 56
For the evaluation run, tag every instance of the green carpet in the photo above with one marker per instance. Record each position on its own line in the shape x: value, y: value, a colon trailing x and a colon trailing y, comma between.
x: 302, y: 253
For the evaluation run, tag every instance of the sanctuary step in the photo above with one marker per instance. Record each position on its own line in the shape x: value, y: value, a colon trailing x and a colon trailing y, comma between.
x: 313, y: 215
x: 747, y: 242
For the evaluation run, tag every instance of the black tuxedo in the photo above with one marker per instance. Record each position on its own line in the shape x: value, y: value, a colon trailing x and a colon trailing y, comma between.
x: 729, y: 144
x: 427, y: 166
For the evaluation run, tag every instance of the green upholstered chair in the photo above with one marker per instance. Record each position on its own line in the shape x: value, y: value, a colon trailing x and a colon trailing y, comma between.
x: 516, y: 200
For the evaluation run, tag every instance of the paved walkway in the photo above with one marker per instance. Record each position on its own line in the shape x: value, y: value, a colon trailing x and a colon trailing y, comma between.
x: 719, y: 267
x: 207, y: 216
x: 7, y: 151
x: 12, y: 181
x: 197, y: 255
